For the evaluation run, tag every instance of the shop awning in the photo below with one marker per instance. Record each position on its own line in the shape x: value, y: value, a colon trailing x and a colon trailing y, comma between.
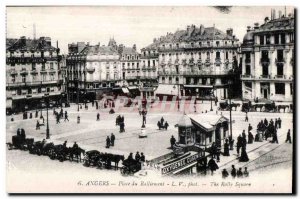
x: 167, y: 89
x: 125, y: 90
x: 132, y: 87
x: 198, y: 86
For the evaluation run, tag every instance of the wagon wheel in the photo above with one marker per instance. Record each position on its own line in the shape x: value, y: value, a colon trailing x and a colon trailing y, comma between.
x: 38, y: 151
x: 124, y: 170
x: 61, y: 158
x: 51, y: 154
x: 86, y: 161
x: 99, y: 164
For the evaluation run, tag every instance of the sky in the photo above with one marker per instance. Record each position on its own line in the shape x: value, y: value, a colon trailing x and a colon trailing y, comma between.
x: 128, y: 25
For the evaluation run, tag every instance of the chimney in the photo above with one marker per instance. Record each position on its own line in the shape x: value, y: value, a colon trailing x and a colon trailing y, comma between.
x: 274, y: 14
x: 201, y: 29
x: 256, y: 26
x: 229, y: 31
x: 279, y: 14
x: 248, y: 28
x: 134, y: 47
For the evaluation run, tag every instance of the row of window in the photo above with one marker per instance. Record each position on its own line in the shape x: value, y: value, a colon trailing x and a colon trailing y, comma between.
x: 279, y: 38
x: 208, y: 54
x: 24, y: 78
x: 34, y: 91
x: 199, y: 44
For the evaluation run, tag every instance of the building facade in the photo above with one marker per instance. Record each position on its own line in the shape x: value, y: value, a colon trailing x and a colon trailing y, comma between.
x: 197, y: 61
x: 268, y: 60
x: 149, y: 62
x: 32, y: 72
x: 92, y: 70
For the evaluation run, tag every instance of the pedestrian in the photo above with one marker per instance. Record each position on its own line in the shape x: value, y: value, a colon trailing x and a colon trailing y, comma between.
x: 276, y: 123
x: 143, y: 159
x: 130, y: 156
x: 275, y: 138
x: 266, y: 123
x: 57, y: 119
x: 162, y: 121
x: 218, y: 155
x: 78, y: 119
x: 98, y: 116
x: 172, y: 141
x: 239, y: 173
x: 246, y: 117
x: 66, y: 116
x: 233, y: 171
x: 37, y: 125
x: 212, y: 165
x: 239, y: 144
x: 288, y: 137
x: 250, y: 138
x: 36, y: 113
x: 226, y: 148
x: 93, y: 103
x: 30, y: 115
x: 75, y: 145
x: 137, y: 156
x: 244, y: 140
x: 122, y: 127
x: 166, y: 125
x: 65, y: 144
x: 158, y: 124
x: 279, y: 123
x: 107, y: 142
x: 225, y: 173
x: 216, y: 101
x: 112, y: 139
x: 244, y: 155
x: 249, y: 128
x: 246, y: 173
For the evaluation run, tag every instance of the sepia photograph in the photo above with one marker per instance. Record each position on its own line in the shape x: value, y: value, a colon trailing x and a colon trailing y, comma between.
x: 150, y: 99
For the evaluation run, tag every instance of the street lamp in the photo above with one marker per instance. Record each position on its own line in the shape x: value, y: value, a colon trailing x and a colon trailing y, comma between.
x: 230, y: 118
x: 211, y: 98
x: 47, y: 104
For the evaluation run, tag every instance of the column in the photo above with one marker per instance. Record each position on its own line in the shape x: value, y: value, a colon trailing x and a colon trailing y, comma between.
x: 257, y: 66
x: 257, y: 90
x: 272, y: 66
x: 272, y: 91
x: 287, y: 96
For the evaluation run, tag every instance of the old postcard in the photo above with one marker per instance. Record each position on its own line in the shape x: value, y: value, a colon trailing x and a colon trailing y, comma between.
x: 119, y: 99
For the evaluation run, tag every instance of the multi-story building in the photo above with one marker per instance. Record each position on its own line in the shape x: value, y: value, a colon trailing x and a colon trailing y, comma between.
x: 32, y: 72
x: 149, y: 62
x: 130, y: 67
x: 92, y: 70
x: 268, y: 59
x: 197, y: 61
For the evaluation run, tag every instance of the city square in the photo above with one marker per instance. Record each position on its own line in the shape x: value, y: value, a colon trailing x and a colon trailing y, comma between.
x: 210, y: 102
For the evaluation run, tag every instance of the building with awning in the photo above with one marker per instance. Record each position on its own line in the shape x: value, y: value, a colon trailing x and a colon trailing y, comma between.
x: 167, y: 91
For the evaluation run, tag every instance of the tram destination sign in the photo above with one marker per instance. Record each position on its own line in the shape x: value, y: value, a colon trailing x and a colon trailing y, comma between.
x: 180, y: 164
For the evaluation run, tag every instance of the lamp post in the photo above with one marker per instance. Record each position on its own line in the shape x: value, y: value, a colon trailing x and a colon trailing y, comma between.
x: 47, y: 128
x: 211, y: 99
x: 230, y: 118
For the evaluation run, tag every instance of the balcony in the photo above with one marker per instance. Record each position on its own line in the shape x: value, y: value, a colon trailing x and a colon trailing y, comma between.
x: 218, y: 61
x: 265, y: 77
x: 13, y: 72
x: 247, y: 77
x: 24, y: 71
x: 207, y: 62
x: 43, y: 70
x: 265, y: 61
x: 279, y: 77
x: 33, y: 72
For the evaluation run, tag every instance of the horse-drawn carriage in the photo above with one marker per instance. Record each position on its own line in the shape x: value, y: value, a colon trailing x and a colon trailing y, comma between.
x: 95, y: 158
x: 20, y: 142
x: 223, y: 106
x: 130, y: 166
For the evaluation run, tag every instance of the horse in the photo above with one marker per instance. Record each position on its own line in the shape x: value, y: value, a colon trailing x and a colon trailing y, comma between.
x: 235, y: 105
x: 75, y: 152
x: 279, y: 107
x: 116, y: 159
x: 58, y: 152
